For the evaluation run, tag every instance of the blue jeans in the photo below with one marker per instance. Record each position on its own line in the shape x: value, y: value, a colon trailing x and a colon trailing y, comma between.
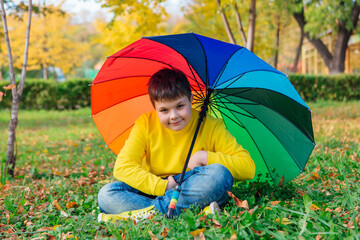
x: 200, y: 187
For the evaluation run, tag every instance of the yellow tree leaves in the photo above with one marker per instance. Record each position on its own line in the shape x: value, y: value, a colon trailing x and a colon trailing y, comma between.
x: 133, y: 20
x: 50, y: 44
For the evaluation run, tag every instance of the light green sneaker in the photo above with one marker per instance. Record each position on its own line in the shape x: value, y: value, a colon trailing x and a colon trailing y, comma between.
x: 135, y: 215
x: 213, y: 208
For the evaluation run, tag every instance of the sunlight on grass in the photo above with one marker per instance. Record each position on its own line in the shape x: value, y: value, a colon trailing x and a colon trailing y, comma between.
x: 62, y: 163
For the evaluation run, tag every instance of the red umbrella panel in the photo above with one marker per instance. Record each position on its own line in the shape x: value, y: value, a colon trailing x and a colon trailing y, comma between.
x: 119, y: 91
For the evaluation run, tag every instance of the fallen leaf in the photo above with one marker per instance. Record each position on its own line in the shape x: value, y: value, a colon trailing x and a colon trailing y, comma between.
x: 315, y: 176
x: 66, y: 173
x: 152, y: 235
x: 238, y: 202
x: 71, y: 205
x: 216, y: 224
x: 197, y: 232
x: 328, y: 210
x: 314, y: 207
x: 233, y: 237
x: 9, y: 87
x: 281, y: 181
x: 165, y: 232
x: 349, y: 225
x: 151, y: 216
x: 20, y: 209
x: 284, y: 221
x: 268, y: 208
x: 6, y: 187
x: 55, y: 227
x: 338, y: 209
x: 200, y: 237
x: 318, y: 237
x: 56, y: 205
x: 256, y: 231
x: 69, y: 235
x: 44, y: 229
x: 273, y: 203
x: 28, y: 223
x: 301, y: 192
x: 333, y: 175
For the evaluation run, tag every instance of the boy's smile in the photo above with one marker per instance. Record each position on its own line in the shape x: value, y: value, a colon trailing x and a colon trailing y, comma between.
x: 174, y: 114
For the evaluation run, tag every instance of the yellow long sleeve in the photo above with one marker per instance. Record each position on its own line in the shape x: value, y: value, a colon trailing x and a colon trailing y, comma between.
x: 153, y: 151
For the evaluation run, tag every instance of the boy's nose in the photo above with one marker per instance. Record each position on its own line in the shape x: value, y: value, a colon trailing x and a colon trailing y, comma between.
x: 174, y: 114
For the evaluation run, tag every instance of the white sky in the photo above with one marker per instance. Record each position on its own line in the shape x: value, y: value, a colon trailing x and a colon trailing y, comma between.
x: 94, y: 10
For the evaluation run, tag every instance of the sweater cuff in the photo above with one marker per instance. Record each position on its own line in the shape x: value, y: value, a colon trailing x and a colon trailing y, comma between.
x: 160, y: 187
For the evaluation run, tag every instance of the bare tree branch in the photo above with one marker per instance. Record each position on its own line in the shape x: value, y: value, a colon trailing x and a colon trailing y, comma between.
x: 226, y: 23
x: 26, y: 51
x: 239, y: 22
x: 251, y: 29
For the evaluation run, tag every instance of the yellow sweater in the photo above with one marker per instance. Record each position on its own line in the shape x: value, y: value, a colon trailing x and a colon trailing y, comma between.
x: 153, y: 151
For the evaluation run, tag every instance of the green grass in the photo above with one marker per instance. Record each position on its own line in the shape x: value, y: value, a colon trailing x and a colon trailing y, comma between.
x: 62, y: 159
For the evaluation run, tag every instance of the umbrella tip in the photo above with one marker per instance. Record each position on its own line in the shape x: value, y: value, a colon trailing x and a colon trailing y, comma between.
x: 90, y: 116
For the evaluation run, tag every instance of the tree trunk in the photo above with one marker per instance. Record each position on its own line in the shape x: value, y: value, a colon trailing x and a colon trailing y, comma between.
x: 251, y: 29
x: 16, y: 92
x: 239, y: 22
x: 298, y: 51
x: 335, y: 62
x: 45, y: 72
x: 276, y: 56
x: 226, y: 24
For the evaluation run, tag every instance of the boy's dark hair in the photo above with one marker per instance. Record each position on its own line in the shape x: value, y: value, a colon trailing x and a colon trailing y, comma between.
x: 168, y: 84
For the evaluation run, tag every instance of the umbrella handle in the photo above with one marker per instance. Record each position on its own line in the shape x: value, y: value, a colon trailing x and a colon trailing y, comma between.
x: 173, y: 202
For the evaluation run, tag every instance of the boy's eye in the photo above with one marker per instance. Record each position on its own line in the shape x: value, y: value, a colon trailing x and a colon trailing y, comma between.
x: 180, y: 106
x: 163, y: 110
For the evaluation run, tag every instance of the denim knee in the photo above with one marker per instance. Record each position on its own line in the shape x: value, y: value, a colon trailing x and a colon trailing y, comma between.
x: 103, y: 196
x: 220, y: 175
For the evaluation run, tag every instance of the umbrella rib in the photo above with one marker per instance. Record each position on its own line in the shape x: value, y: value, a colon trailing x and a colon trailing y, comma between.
x: 259, y: 150
x: 231, y: 110
x: 119, y: 135
x: 254, y: 117
x: 235, y: 94
x: 218, y: 78
x: 236, y: 79
x: 238, y: 123
x: 124, y: 100
x: 195, y: 78
x: 212, y: 106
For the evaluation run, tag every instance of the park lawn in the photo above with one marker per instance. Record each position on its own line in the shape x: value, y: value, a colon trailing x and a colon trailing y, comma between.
x: 63, y: 162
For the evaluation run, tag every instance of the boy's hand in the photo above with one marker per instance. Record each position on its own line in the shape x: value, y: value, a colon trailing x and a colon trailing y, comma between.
x: 171, y: 183
x: 200, y: 158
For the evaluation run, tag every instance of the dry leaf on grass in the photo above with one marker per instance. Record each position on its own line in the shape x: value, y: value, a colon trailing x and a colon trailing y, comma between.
x: 284, y: 221
x: 197, y: 232
x: 238, y: 202
x: 71, y: 205
x: 153, y: 237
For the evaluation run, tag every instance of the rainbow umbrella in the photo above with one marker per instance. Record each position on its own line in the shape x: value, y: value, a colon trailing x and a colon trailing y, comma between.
x: 257, y: 103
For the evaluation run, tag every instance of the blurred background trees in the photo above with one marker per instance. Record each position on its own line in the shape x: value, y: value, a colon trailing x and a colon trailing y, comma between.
x: 293, y: 36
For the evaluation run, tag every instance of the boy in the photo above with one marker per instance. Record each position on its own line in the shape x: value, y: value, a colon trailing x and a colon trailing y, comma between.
x: 152, y: 158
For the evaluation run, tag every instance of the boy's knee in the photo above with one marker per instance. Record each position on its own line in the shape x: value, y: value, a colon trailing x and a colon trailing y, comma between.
x: 104, y: 195
x: 220, y: 175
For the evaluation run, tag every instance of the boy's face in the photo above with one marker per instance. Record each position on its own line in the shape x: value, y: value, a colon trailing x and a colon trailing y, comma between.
x: 174, y: 114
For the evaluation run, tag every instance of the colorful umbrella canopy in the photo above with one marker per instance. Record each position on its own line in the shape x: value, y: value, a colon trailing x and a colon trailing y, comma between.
x: 258, y: 104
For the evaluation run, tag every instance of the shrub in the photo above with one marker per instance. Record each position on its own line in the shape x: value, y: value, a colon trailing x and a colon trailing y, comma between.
x: 48, y: 94
x: 321, y: 87
x: 73, y: 94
